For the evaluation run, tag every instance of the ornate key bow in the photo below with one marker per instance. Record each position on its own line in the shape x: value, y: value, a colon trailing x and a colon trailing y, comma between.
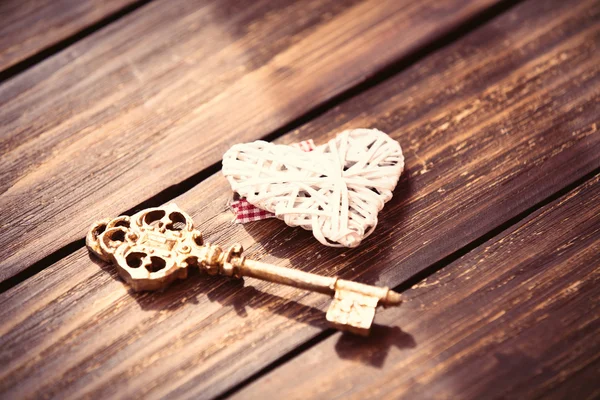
x: 156, y: 246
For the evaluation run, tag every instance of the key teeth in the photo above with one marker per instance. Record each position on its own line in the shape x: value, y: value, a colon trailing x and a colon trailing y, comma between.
x: 352, y: 311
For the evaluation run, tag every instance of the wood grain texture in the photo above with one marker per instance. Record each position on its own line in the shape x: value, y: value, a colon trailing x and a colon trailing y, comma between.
x: 28, y: 27
x: 517, y: 318
x: 161, y: 94
x: 490, y: 125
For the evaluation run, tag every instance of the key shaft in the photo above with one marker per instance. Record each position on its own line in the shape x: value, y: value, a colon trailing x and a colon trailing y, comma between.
x: 316, y: 283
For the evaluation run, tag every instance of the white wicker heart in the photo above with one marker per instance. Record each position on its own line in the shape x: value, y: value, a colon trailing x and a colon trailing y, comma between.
x: 336, y: 190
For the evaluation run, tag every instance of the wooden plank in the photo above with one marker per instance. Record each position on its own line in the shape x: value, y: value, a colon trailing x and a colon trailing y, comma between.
x: 28, y: 27
x: 517, y: 318
x: 162, y: 93
x: 491, y: 126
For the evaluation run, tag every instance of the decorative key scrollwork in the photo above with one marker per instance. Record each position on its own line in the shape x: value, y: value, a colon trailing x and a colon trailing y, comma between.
x: 158, y: 245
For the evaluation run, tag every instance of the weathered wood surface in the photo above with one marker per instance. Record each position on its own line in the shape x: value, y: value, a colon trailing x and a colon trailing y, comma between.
x: 517, y: 318
x: 162, y: 93
x: 490, y: 125
x: 28, y: 27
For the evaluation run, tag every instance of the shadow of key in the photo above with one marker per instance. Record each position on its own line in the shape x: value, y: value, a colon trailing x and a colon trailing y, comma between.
x: 373, y: 349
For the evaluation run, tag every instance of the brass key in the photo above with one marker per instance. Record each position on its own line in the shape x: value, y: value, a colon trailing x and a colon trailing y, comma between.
x: 156, y: 246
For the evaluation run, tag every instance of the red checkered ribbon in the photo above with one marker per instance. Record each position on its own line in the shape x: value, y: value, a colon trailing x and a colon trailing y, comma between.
x: 246, y: 212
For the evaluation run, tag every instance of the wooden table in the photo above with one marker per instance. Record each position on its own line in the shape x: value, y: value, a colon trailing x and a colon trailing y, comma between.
x: 492, y: 236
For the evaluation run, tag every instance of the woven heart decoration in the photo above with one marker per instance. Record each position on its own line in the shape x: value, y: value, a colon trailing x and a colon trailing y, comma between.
x: 336, y: 190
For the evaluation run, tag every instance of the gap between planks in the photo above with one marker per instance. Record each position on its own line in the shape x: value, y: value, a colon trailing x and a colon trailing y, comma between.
x: 377, y: 78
